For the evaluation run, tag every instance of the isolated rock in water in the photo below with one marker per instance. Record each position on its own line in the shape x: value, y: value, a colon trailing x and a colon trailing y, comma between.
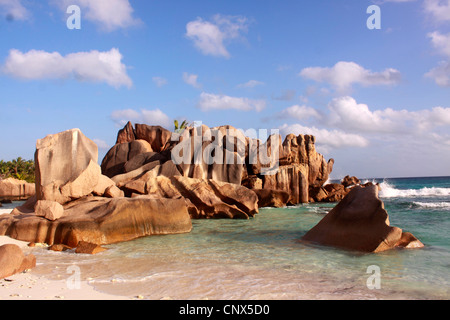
x: 359, y: 222
x: 50, y: 210
x: 59, y: 159
x: 101, y: 221
x: 16, y: 190
x: 350, y: 181
x: 271, y: 198
x: 89, y: 248
x: 13, y: 260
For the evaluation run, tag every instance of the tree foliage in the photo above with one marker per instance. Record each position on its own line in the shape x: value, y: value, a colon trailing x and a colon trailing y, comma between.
x: 18, y: 168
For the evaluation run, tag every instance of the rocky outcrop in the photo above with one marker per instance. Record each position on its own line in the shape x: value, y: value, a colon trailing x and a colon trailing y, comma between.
x: 360, y: 222
x: 225, y: 154
x: 16, y: 190
x: 101, y: 221
x: 13, y: 260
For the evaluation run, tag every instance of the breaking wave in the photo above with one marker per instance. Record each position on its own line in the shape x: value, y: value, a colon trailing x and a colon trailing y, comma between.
x: 389, y: 191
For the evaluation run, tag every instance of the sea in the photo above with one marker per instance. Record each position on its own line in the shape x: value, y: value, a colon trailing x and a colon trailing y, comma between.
x: 263, y: 258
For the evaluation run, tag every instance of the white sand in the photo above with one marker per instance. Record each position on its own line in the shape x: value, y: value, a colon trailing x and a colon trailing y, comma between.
x: 31, y: 286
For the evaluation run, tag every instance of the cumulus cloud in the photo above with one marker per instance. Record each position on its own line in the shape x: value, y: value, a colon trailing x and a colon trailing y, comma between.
x: 154, y: 117
x: 191, y: 79
x: 441, y: 42
x: 101, y: 144
x: 211, y: 37
x: 298, y: 113
x: 345, y: 74
x: 440, y: 74
x: 439, y: 10
x: 159, y: 81
x: 352, y: 124
x: 209, y: 101
x: 14, y: 10
x: 92, y: 66
x: 110, y: 15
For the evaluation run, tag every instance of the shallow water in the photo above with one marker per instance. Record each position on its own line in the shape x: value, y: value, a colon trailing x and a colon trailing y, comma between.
x: 262, y: 258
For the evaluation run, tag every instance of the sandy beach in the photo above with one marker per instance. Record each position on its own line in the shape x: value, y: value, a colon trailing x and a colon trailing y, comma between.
x: 31, y: 286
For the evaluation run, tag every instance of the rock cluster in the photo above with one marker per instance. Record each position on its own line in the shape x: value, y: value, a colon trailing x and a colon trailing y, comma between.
x: 293, y: 166
x: 15, y: 190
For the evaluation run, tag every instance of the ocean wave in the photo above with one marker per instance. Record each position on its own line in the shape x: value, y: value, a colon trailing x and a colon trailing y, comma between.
x: 389, y: 191
x: 433, y: 205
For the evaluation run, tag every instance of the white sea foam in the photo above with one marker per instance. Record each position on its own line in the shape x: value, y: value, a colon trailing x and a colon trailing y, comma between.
x: 389, y: 191
x: 435, y: 205
x: 5, y: 211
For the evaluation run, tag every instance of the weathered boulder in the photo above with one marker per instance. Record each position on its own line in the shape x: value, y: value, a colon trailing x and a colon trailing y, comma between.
x: 214, y: 199
x: 59, y: 159
x: 292, y: 179
x: 16, y: 190
x: 13, y: 260
x: 359, y: 222
x: 271, y: 198
x: 50, y: 210
x: 158, y: 137
x: 89, y: 248
x: 350, y: 181
x: 101, y: 221
x: 126, y: 134
x: 114, y: 161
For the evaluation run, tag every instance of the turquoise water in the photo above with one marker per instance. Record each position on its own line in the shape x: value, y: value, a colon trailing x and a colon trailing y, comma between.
x: 262, y: 258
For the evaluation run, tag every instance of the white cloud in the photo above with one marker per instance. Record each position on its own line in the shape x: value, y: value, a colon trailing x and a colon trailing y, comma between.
x: 92, y: 66
x: 438, y: 9
x: 151, y: 117
x: 440, y: 74
x: 211, y: 37
x: 14, y: 10
x: 159, y: 81
x: 344, y: 74
x: 441, y: 42
x: 250, y: 84
x: 328, y: 139
x: 210, y: 101
x: 108, y: 14
x: 101, y: 144
x: 298, y: 113
x: 191, y: 79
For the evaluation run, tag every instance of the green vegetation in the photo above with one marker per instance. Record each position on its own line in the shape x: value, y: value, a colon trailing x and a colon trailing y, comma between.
x: 18, y: 168
x: 179, y: 128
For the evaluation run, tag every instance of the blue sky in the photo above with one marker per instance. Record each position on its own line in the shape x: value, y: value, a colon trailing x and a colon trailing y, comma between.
x: 378, y: 101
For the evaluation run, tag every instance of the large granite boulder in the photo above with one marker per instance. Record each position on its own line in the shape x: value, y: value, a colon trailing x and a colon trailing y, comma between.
x: 115, y: 159
x: 67, y: 168
x: 16, y: 190
x: 13, y: 260
x: 360, y: 222
x: 101, y: 221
